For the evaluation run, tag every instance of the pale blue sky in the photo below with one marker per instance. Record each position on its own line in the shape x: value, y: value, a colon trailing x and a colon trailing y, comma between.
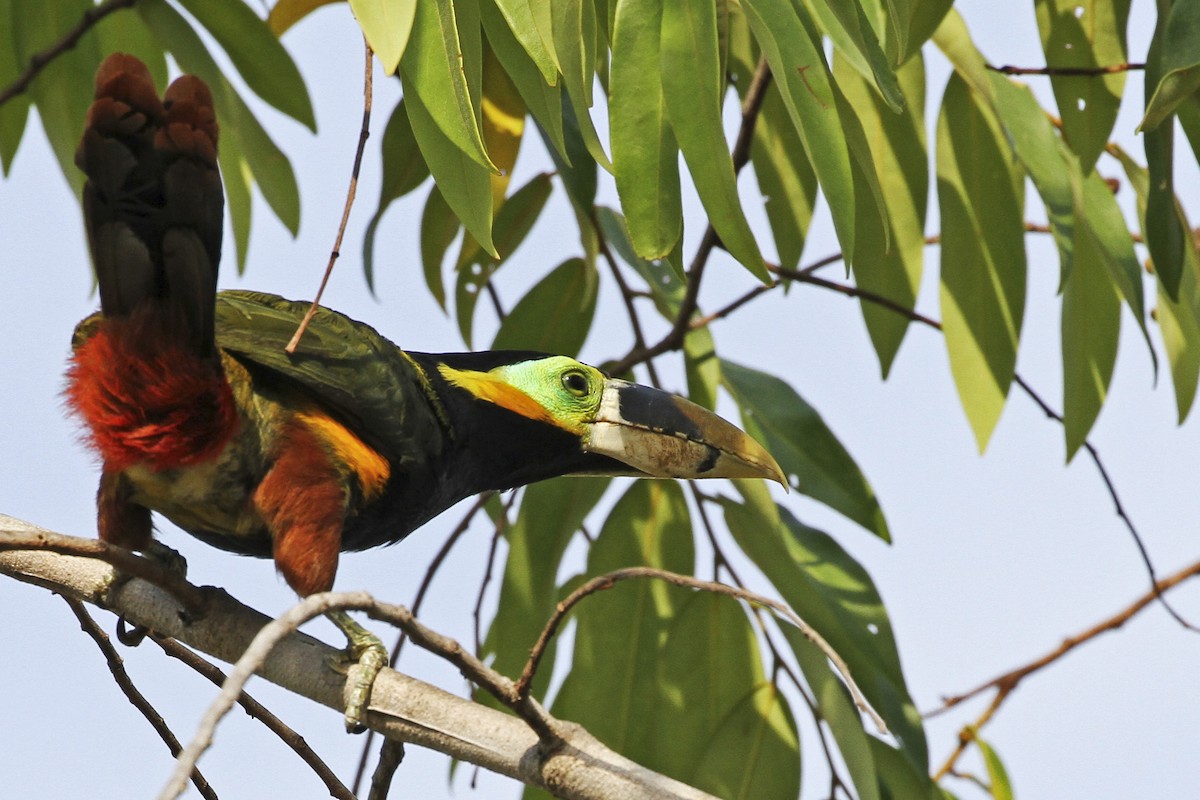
x: 995, y: 559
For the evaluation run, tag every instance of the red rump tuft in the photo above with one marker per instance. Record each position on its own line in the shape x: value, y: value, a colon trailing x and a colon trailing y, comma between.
x: 148, y: 400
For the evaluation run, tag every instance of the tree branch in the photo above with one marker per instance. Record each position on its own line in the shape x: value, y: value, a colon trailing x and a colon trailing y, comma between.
x: 1107, y: 69
x: 402, y: 708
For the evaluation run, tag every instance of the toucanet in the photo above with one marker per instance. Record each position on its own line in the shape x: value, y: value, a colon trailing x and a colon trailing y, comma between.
x: 199, y: 414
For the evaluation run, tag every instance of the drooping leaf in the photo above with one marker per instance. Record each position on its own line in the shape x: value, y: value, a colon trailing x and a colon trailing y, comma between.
x: 613, y: 687
x: 556, y: 315
x: 388, y: 26
x: 954, y: 40
x: 666, y: 287
x: 575, y: 166
x: 439, y: 228
x: 983, y: 254
x: 543, y: 99
x: 645, y: 155
x: 573, y: 23
x: 511, y: 226
x: 1164, y: 235
x: 835, y: 595
x: 756, y: 750
x: 404, y: 169
x: 808, y: 95
x: 1180, y: 64
x: 839, y: 712
x: 531, y: 23
x: 692, y: 87
x: 1054, y: 174
x: 286, y: 13
x: 709, y: 663
x: 15, y: 112
x: 1091, y: 324
x: 702, y: 367
x: 551, y: 512
x: 260, y: 59
x: 237, y: 178
x: 858, y: 42
x: 441, y: 66
x: 1085, y: 33
x: 784, y: 173
x: 923, y: 19
x: 811, y: 456
x: 60, y: 92
x: 465, y: 184
x: 890, y: 265
x: 998, y: 780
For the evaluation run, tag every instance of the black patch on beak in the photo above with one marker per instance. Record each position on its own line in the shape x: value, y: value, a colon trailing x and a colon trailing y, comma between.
x: 658, y: 411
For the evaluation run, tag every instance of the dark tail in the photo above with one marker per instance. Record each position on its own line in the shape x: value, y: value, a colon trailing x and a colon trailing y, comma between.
x: 153, y: 200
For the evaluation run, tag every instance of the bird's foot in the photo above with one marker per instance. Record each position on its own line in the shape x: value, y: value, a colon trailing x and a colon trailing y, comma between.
x: 367, y: 651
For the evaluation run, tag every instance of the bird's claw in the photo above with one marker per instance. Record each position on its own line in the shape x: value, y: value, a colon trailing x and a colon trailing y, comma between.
x: 365, y: 650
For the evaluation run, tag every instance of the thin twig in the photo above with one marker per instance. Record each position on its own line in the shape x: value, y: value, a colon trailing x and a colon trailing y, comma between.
x: 477, y: 614
x: 116, y: 665
x: 610, y: 579
x: 1005, y: 684
x: 363, y: 134
x: 257, y: 710
x: 391, y: 754
x: 1107, y: 69
x: 627, y: 296
x: 40, y: 60
x: 426, y: 582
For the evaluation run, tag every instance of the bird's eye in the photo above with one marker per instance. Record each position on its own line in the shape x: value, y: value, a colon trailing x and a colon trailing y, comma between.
x: 575, y: 382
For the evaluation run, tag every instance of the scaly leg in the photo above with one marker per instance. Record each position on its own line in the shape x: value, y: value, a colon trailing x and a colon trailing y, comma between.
x: 365, y: 649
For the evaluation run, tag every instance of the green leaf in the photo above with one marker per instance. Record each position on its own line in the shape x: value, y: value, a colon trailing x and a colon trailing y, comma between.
x: 1001, y: 786
x: 551, y: 512
x: 645, y: 154
x: 238, y: 178
x: 702, y: 367
x: 983, y: 255
x: 1085, y: 33
x: 465, y: 184
x: 532, y: 24
x: 924, y: 18
x: 898, y: 777
x: 692, y: 87
x: 954, y: 40
x: 1178, y: 319
x: 1091, y: 324
x: 835, y: 595
x: 784, y: 173
x: 513, y: 222
x: 387, y: 24
x: 573, y: 24
x: 1180, y: 65
x: 613, y: 687
x: 666, y: 288
x: 286, y: 13
x: 62, y: 91
x: 556, y: 315
x: 1164, y: 235
x: 756, y: 750
x: 809, y: 97
x: 889, y: 262
x: 15, y: 112
x: 543, y: 99
x: 269, y: 166
x: 839, y: 712
x: 260, y: 59
x: 404, y: 169
x: 708, y: 665
x: 575, y: 166
x: 855, y: 39
x: 439, y: 228
x: 441, y: 67
x: 1054, y: 174
x: 814, y: 460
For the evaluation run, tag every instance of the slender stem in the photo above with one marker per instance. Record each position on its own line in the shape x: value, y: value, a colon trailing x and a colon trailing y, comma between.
x: 40, y: 60
x: 363, y: 134
x: 1107, y: 69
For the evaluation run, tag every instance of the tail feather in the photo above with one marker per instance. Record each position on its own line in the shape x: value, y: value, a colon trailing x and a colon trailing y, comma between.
x: 153, y: 201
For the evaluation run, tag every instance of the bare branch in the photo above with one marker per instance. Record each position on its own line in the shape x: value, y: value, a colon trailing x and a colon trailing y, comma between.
x: 1107, y: 69
x: 610, y: 579
x: 363, y: 134
x: 116, y: 665
x: 39, y: 61
x: 260, y: 712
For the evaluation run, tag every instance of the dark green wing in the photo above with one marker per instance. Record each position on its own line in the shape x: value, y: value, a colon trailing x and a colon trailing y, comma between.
x: 346, y: 365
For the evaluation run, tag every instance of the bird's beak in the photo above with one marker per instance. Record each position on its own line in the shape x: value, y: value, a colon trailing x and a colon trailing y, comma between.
x: 664, y: 436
